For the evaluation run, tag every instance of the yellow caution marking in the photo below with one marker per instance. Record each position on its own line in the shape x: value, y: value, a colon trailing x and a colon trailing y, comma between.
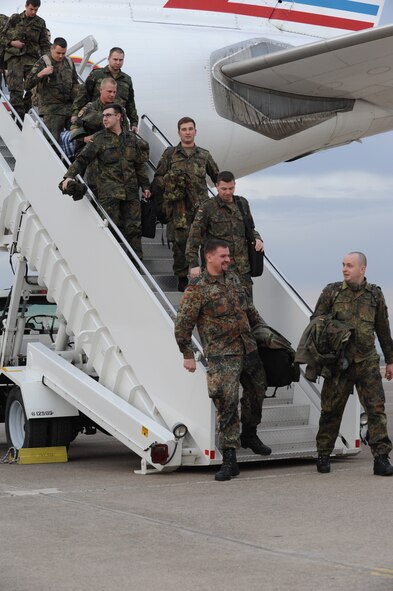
x: 8, y: 370
x: 145, y: 431
x: 42, y: 455
x: 387, y: 573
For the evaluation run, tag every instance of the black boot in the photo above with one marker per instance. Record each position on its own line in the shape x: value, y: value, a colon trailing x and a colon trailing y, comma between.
x: 182, y: 283
x: 229, y: 465
x: 249, y: 438
x: 382, y: 466
x: 323, y: 464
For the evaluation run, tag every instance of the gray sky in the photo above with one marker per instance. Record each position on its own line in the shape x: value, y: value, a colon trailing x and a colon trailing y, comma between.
x: 313, y: 211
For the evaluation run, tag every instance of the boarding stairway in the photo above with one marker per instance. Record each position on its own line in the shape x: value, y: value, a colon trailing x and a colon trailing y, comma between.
x: 115, y: 358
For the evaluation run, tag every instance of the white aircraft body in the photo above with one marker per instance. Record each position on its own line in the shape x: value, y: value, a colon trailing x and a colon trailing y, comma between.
x: 265, y: 80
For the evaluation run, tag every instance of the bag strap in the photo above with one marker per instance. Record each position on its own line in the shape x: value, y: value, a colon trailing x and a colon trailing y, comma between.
x: 246, y: 220
x: 48, y: 61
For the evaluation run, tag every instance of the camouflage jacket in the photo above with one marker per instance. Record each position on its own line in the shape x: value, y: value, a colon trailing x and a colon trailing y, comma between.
x: 218, y: 306
x: 180, y: 181
x: 90, y: 90
x: 217, y: 219
x: 3, y: 22
x: 29, y: 30
x: 121, y: 164
x: 364, y: 311
x: 60, y: 88
x: 89, y: 119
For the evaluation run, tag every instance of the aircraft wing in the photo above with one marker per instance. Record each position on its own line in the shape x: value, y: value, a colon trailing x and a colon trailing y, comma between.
x: 355, y: 66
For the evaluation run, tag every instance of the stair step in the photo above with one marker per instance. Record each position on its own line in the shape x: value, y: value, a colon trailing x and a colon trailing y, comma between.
x: 285, y: 415
x: 283, y: 395
x: 158, y: 266
x: 288, y: 437
x: 156, y: 251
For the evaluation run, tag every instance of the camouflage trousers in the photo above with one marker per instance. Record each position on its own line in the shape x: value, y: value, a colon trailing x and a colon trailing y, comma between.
x: 126, y: 215
x: 225, y: 374
x: 180, y: 265
x: 57, y: 122
x: 366, y: 377
x: 18, y: 69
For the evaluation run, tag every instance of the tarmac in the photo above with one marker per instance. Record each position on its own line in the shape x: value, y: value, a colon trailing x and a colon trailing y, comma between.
x: 93, y: 523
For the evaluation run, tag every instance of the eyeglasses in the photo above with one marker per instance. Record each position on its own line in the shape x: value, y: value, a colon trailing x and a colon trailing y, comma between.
x: 105, y: 115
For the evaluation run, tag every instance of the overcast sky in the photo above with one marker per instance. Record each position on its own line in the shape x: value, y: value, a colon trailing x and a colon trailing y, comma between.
x: 313, y: 211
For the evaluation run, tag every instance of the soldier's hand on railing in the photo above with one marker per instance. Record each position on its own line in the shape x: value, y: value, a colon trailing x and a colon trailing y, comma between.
x: 189, y: 365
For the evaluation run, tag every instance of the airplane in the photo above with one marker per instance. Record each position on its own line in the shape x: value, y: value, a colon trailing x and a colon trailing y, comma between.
x: 267, y: 81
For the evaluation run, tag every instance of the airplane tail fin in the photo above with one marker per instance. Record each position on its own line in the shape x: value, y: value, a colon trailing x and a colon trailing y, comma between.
x: 326, y: 18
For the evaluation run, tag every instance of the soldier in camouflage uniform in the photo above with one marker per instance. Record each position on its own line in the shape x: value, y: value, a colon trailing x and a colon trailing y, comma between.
x: 221, y: 218
x: 216, y: 302
x: 3, y: 22
x: 89, y: 91
x: 121, y: 170
x: 89, y: 119
x: 361, y: 306
x: 25, y: 39
x: 181, y: 177
x: 57, y: 84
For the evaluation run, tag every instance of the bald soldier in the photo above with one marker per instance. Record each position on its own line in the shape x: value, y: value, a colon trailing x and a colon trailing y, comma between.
x: 361, y: 306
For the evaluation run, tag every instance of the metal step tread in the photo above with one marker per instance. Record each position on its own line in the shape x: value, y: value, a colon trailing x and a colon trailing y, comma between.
x: 285, y: 415
x: 289, y: 435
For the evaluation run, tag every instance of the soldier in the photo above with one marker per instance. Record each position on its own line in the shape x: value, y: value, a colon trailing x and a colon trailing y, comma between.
x: 181, y: 176
x: 361, y: 306
x: 25, y: 39
x: 121, y: 170
x: 89, y: 91
x: 221, y: 218
x: 89, y: 119
x: 3, y: 22
x: 57, y: 84
x: 216, y: 302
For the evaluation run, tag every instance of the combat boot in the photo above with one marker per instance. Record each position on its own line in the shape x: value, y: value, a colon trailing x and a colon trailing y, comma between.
x: 182, y: 283
x: 323, y: 464
x: 382, y: 466
x: 249, y: 438
x: 229, y: 465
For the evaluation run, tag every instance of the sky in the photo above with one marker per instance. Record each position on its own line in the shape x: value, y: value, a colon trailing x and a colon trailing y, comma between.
x: 311, y: 212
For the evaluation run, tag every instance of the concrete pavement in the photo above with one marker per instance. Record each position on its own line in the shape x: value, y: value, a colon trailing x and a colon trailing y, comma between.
x: 93, y: 523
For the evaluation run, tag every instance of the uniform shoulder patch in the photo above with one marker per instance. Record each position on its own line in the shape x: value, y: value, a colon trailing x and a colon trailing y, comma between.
x: 83, y: 110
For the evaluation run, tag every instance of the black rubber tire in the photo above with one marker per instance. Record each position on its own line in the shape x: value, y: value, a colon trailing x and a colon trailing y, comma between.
x: 21, y: 432
x: 62, y: 431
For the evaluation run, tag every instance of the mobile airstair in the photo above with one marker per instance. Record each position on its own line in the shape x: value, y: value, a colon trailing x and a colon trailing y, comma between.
x: 114, y: 363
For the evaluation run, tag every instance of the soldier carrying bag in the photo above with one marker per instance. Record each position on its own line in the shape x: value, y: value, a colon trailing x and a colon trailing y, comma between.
x: 255, y: 257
